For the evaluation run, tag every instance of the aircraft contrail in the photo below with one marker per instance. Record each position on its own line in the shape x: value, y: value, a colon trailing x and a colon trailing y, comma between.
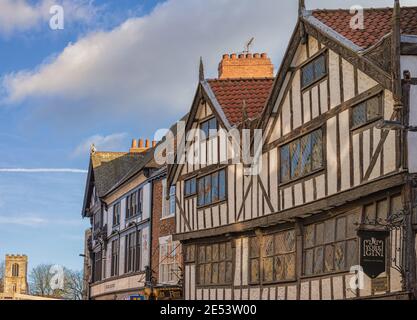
x: 41, y: 170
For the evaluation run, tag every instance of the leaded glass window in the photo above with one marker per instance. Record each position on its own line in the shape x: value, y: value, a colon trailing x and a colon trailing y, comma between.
x: 313, y: 71
x: 331, y: 245
x: 302, y: 156
x: 272, y: 258
x: 212, y: 188
x: 215, y: 264
x: 366, y: 111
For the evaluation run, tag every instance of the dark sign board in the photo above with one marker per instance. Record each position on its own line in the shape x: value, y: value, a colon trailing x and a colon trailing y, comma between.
x: 373, y: 252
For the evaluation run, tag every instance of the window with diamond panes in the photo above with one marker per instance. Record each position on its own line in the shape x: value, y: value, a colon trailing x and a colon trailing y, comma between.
x: 302, y: 156
x: 313, y: 71
x: 331, y: 246
x: 367, y: 111
x: 215, y: 265
x: 272, y: 259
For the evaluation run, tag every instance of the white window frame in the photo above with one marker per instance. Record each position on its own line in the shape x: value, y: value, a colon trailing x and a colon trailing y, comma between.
x: 166, y: 210
x: 169, y: 267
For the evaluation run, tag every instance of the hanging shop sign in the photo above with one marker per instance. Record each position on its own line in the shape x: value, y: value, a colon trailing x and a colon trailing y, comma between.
x: 373, y: 252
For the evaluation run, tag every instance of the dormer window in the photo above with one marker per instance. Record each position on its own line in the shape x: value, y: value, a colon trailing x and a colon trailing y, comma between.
x: 209, y: 129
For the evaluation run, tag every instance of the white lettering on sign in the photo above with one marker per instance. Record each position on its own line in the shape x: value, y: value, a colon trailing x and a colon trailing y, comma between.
x: 373, y: 248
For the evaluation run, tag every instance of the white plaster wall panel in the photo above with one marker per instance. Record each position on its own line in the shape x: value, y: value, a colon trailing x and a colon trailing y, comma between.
x: 220, y: 294
x: 231, y: 192
x: 203, y: 154
x: 324, y: 102
x: 147, y: 198
x: 313, y: 45
x: 331, y: 155
x: 350, y: 293
x: 356, y: 160
x: 245, y: 261
x: 298, y: 194
x: 315, y: 102
x: 326, y: 289
x: 286, y: 116
x: 306, y: 107
x: 201, y: 218
x: 338, y: 288
x: 388, y: 105
x: 296, y: 99
x: 287, y: 198
x: 365, y: 82
x: 223, y: 146
x: 409, y: 63
x: 276, y: 130
x: 239, y: 189
x: 223, y: 213
x: 281, y: 293
x: 228, y: 294
x: 255, y: 293
x: 192, y: 282
x: 389, y: 153
x: 145, y: 247
x: 216, y: 221
x: 254, y: 195
x: 273, y: 164
x: 305, y: 290
x: 215, y: 146
x: 334, y: 74
x: 238, y: 265
x: 245, y: 294
x: 209, y: 222
x: 265, y: 293
x: 315, y: 290
x: 367, y: 287
x: 247, y: 212
x: 187, y: 281
x: 292, y: 293
x: 320, y: 186
x: 412, y: 136
x: 272, y: 293
x: 344, y: 149
x: 309, y: 189
x: 348, y: 80
x: 237, y: 294
x: 213, y: 294
x: 199, y: 294
x: 376, y: 172
x: 206, y: 294
x: 366, y: 150
x: 301, y: 55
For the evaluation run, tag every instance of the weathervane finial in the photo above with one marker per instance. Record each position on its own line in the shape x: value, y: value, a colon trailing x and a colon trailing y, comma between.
x: 201, y: 76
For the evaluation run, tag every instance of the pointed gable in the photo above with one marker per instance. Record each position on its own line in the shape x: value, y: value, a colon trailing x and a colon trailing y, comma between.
x: 231, y: 93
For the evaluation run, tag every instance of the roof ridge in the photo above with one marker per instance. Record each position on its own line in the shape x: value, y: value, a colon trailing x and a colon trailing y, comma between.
x: 370, y: 8
x: 241, y: 79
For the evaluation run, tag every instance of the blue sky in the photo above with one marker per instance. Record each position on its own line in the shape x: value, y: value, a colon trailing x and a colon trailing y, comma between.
x: 119, y: 70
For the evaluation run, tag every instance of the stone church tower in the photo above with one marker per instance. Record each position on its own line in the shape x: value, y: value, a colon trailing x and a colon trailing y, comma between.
x: 15, y: 274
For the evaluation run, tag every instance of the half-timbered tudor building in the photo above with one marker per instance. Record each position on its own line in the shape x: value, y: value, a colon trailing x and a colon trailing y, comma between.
x: 337, y: 184
x: 118, y: 202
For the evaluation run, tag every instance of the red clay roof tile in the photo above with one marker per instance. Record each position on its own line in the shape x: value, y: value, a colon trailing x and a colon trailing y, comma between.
x: 231, y: 93
x: 377, y: 24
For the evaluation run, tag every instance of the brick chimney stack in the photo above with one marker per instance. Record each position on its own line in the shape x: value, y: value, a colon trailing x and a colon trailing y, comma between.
x: 139, y: 147
x: 246, y: 65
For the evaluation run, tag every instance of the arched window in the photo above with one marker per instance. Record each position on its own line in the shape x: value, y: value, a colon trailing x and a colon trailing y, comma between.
x: 15, y: 270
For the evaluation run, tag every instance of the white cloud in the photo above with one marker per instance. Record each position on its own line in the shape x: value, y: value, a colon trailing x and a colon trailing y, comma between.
x: 113, y: 142
x: 22, y: 221
x: 41, y: 170
x: 21, y: 15
x: 148, y: 66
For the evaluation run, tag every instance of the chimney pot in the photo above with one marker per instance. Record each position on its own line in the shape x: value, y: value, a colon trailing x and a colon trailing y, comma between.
x: 147, y: 144
x: 141, y: 143
x: 241, y: 56
x: 233, y: 56
x: 153, y: 144
x: 264, y: 55
x: 249, y: 56
x: 226, y: 56
x: 134, y: 143
x: 257, y: 55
